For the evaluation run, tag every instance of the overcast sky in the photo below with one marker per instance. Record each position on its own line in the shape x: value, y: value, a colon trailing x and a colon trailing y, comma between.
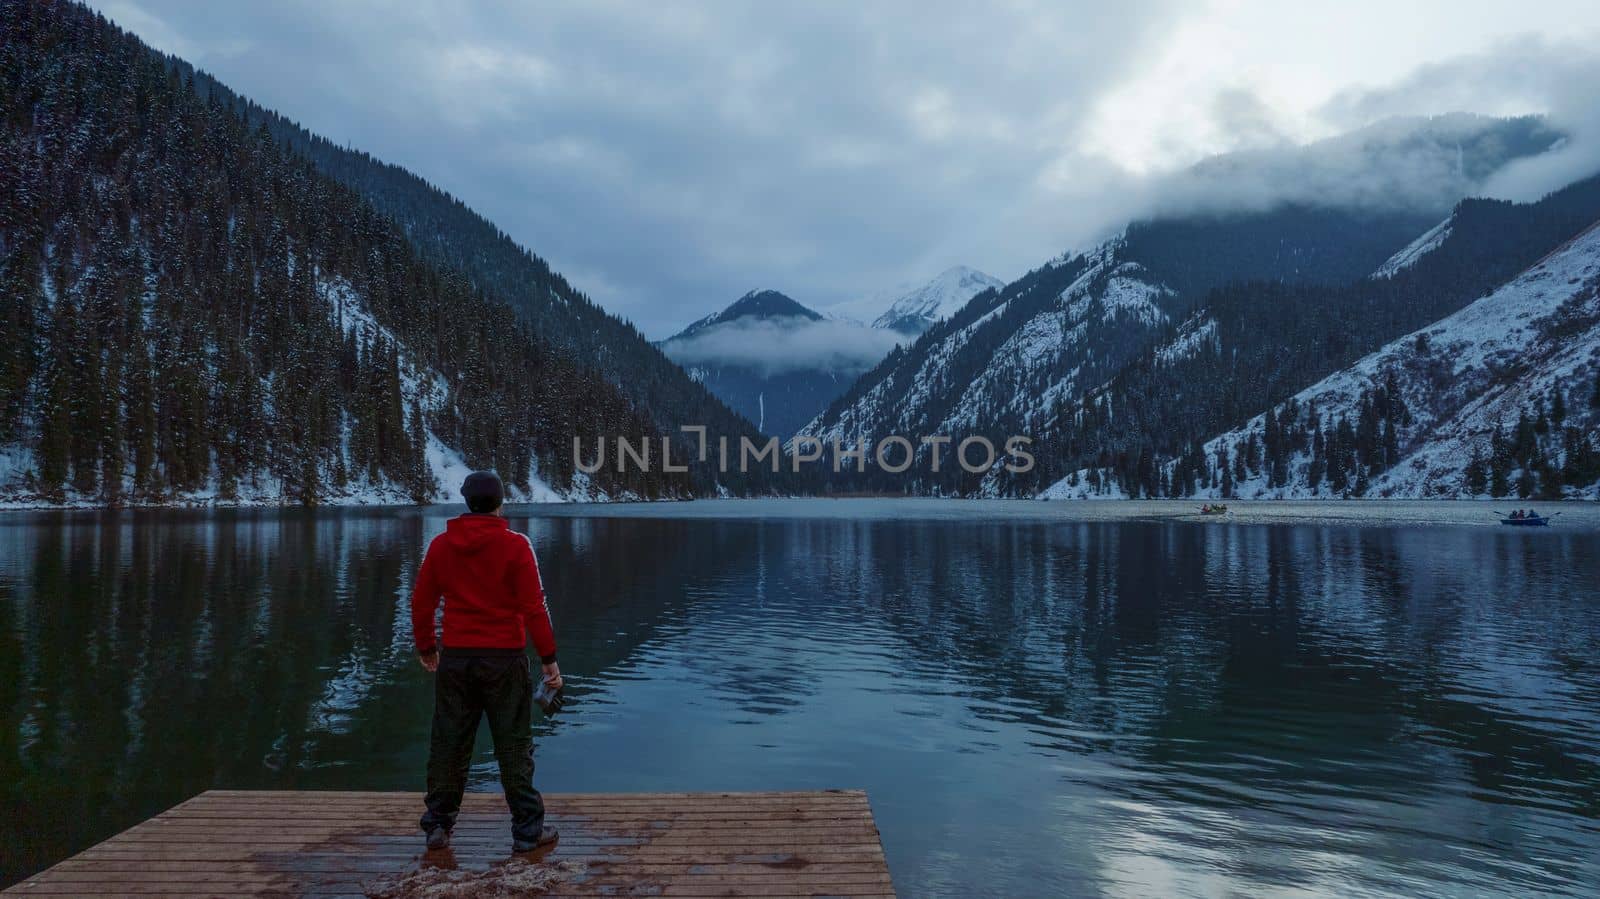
x: 668, y: 157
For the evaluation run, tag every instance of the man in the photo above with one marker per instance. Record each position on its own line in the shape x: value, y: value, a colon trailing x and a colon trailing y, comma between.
x: 493, y: 599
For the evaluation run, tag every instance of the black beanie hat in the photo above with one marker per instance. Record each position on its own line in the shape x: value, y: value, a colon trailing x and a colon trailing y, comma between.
x: 483, y: 491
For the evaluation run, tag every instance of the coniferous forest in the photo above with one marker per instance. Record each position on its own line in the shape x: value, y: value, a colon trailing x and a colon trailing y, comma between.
x: 1281, y: 337
x: 448, y: 234
x: 1157, y: 394
x: 192, y: 309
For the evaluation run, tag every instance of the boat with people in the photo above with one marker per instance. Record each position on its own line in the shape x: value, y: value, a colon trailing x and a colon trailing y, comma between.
x: 1214, y: 509
x: 1526, y: 518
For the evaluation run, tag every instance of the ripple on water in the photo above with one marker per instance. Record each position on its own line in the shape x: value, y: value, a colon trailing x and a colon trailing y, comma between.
x: 1040, y: 699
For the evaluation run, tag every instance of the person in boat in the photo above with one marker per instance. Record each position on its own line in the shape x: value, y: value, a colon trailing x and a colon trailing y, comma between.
x: 488, y: 578
x: 1516, y: 515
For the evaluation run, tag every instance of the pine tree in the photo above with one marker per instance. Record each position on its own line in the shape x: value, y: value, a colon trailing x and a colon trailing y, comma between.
x: 1527, y: 484
x: 18, y: 325
x: 141, y: 431
x: 1499, y: 465
x: 423, y: 483
x: 1476, y: 476
x: 55, y: 433
x: 1319, y: 462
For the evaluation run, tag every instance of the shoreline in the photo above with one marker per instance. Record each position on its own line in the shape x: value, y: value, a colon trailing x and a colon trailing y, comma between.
x: 1568, y: 516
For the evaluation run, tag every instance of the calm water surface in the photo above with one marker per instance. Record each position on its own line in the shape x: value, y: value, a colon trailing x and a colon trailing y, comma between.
x: 1040, y: 699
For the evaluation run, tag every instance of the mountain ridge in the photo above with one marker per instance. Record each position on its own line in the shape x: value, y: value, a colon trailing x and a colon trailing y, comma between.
x: 1013, y: 362
x: 758, y: 304
x: 912, y: 309
x: 1501, y: 398
x: 1249, y: 346
x: 773, y: 359
x: 446, y: 231
x: 202, y: 316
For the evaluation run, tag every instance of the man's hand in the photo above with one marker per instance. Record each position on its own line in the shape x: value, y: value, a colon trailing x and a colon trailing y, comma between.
x: 430, y: 660
x: 552, y: 675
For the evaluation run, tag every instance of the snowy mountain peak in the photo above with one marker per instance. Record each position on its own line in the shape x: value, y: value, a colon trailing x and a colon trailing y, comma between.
x: 757, y: 304
x: 911, y: 309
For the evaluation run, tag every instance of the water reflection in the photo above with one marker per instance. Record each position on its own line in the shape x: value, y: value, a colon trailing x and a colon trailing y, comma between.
x: 1035, y: 705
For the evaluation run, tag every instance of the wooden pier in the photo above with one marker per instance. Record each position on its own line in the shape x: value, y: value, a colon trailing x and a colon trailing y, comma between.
x: 257, y: 843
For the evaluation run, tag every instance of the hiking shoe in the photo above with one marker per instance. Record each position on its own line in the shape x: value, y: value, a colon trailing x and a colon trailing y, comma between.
x: 438, y: 838
x: 547, y: 837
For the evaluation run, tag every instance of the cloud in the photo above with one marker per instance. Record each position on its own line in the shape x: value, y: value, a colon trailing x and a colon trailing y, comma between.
x: 1405, y: 145
x: 1529, y: 73
x: 784, y: 344
x: 690, y: 151
x: 1413, y: 164
x: 661, y: 154
x: 1408, y: 164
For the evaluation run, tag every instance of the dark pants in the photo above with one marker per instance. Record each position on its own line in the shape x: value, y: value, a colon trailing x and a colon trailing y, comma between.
x: 467, y: 687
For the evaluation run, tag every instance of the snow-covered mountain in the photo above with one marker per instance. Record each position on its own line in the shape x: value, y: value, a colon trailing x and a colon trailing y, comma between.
x: 774, y: 360
x: 1010, y: 360
x: 1020, y: 360
x: 910, y: 310
x: 1502, y: 397
x: 193, y: 314
x: 1249, y: 344
x: 1018, y: 356
x: 757, y: 305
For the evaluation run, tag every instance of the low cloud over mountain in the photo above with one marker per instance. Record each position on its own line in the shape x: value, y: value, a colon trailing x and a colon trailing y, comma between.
x: 784, y: 344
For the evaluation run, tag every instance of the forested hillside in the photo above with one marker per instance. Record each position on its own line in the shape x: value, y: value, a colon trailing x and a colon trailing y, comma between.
x: 1251, y: 345
x: 1006, y: 362
x: 1020, y: 360
x: 450, y: 235
x: 1501, y: 399
x: 192, y: 312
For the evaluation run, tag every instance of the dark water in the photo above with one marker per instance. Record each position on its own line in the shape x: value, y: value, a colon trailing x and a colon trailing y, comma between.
x: 1037, y: 706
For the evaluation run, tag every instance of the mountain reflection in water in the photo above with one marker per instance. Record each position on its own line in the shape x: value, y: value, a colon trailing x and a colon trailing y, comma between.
x: 1037, y: 703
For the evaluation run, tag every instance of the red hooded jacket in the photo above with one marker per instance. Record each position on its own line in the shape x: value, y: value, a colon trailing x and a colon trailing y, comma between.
x: 489, y: 580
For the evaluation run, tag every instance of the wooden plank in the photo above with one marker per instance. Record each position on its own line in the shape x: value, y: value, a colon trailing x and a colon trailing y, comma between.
x: 806, y: 877
x: 335, y: 843
x: 411, y: 846
x: 364, y: 864
x: 408, y: 821
x: 413, y: 809
x: 557, y: 804
x: 209, y: 815
x: 410, y: 814
x: 367, y: 796
x: 462, y: 832
x: 298, y: 835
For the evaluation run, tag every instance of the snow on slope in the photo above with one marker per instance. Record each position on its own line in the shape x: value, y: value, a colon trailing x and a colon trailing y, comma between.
x: 910, y: 309
x: 857, y: 419
x: 1467, y: 376
x: 416, y: 382
x: 1199, y: 332
x: 1110, y: 296
x: 1422, y: 246
x: 1107, y: 310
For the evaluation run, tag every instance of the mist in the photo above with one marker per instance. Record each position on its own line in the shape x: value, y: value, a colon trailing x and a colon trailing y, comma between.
x: 778, y: 345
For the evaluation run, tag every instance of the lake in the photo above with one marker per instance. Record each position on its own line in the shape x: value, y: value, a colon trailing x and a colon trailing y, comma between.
x: 1041, y: 699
